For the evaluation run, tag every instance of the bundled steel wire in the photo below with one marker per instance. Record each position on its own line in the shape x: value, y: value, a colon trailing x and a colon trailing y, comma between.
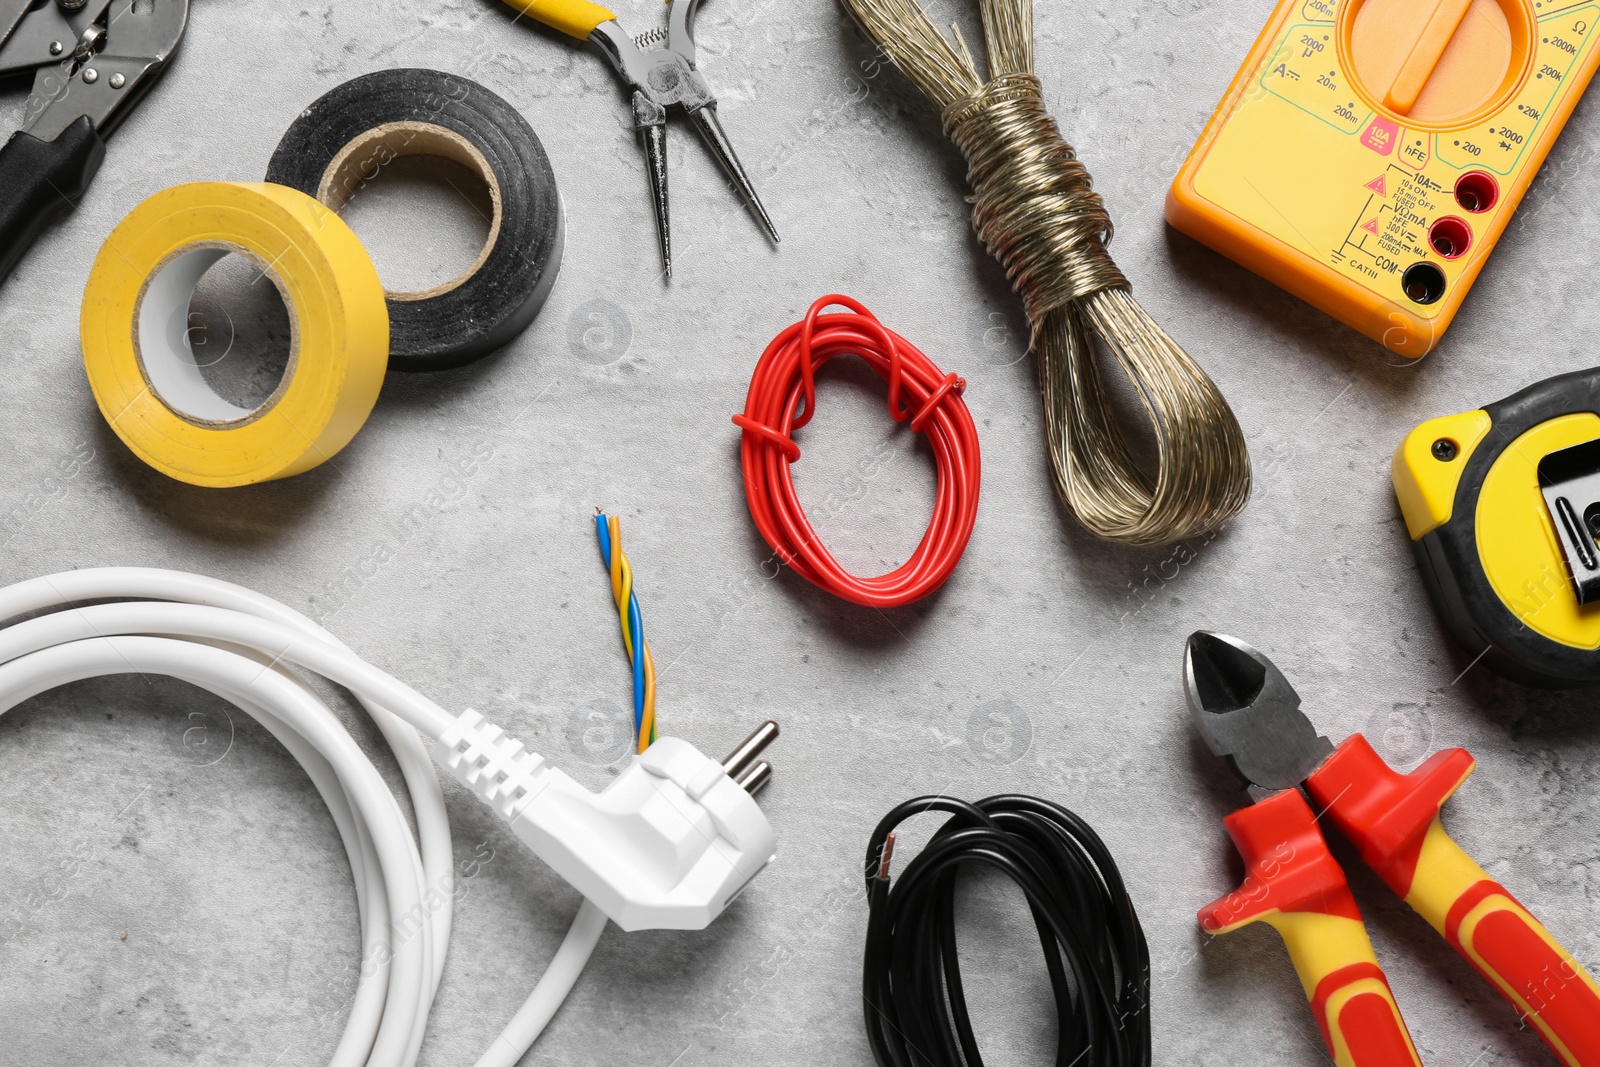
x: 1035, y: 211
x: 1095, y: 951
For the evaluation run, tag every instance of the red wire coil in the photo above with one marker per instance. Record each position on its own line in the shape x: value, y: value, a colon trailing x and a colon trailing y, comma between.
x: 785, y: 377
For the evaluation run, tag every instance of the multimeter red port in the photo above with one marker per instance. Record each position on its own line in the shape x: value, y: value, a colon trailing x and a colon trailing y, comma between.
x: 1370, y: 153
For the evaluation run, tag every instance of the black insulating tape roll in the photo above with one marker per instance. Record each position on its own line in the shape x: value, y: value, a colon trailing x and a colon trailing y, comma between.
x: 342, y: 140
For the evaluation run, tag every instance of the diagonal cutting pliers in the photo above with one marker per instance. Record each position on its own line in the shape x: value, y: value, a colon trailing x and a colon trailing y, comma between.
x: 91, y: 61
x: 658, y: 70
x: 1250, y: 715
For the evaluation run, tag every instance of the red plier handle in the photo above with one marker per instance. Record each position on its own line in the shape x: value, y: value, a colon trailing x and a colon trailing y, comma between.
x: 1294, y: 884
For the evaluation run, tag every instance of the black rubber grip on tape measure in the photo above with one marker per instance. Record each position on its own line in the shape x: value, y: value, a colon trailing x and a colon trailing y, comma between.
x: 448, y: 328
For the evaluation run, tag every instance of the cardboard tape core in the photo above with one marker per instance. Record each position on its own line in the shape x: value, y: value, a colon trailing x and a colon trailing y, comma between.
x: 163, y: 349
x: 360, y: 161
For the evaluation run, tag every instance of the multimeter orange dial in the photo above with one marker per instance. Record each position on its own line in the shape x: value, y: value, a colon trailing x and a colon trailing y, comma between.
x: 1370, y: 152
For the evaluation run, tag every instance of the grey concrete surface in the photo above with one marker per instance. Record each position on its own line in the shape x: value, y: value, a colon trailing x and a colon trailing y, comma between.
x: 1049, y: 664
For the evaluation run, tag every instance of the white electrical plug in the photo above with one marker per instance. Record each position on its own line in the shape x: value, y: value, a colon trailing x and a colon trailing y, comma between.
x: 666, y: 846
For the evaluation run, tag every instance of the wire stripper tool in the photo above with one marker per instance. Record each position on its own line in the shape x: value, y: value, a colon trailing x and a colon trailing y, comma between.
x: 658, y: 70
x: 1370, y: 153
x: 1503, y: 508
x: 1250, y: 715
x: 92, y: 61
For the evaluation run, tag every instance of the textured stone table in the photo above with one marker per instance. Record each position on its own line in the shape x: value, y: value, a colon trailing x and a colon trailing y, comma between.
x: 1050, y: 664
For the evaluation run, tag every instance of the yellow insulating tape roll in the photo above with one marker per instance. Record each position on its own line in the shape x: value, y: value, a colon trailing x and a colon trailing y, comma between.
x: 135, y: 323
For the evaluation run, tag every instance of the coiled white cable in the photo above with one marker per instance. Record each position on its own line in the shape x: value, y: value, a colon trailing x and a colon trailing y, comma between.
x: 242, y: 646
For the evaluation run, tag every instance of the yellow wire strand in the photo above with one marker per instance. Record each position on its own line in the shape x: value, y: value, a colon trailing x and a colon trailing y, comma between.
x: 621, y: 580
x: 647, y: 727
x: 622, y: 593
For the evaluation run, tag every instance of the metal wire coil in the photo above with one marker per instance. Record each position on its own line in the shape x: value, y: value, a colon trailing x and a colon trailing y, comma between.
x: 1034, y: 207
x: 1035, y: 210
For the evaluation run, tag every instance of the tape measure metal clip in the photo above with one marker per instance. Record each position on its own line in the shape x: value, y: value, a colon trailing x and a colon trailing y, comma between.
x: 1570, y: 480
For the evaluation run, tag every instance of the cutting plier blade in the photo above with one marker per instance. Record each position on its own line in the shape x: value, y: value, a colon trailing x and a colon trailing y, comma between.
x: 1249, y: 714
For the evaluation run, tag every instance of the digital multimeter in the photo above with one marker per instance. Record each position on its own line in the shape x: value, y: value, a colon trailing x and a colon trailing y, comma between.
x: 1370, y: 152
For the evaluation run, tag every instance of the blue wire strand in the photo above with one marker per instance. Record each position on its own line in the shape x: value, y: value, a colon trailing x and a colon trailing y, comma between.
x: 635, y: 628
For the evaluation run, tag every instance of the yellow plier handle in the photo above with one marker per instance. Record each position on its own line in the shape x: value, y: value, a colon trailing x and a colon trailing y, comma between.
x: 576, y: 18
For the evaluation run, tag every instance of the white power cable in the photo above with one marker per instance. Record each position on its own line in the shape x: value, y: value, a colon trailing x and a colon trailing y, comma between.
x: 241, y: 646
x: 554, y: 985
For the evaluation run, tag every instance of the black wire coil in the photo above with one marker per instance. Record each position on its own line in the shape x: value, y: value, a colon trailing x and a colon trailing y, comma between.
x: 1099, y: 964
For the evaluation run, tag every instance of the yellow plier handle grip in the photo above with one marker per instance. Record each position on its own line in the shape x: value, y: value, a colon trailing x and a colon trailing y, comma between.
x: 575, y: 18
x: 1393, y: 820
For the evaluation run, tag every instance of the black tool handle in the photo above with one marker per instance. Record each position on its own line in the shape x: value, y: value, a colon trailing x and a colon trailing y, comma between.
x: 39, y: 179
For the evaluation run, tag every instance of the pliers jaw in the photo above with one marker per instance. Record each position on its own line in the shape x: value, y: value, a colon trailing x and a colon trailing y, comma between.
x: 662, y: 79
x: 96, y: 61
x: 1249, y: 714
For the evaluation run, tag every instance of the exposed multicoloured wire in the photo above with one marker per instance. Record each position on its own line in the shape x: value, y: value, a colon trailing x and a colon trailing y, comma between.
x: 609, y: 530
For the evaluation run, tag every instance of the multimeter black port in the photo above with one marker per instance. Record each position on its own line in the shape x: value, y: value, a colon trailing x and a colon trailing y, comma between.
x: 1424, y: 283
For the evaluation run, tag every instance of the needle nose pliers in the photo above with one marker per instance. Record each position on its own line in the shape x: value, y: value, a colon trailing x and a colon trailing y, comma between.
x: 658, y: 70
x: 1250, y: 715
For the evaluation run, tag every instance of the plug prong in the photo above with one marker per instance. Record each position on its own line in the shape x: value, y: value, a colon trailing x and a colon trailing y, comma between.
x: 755, y: 779
x: 742, y: 757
